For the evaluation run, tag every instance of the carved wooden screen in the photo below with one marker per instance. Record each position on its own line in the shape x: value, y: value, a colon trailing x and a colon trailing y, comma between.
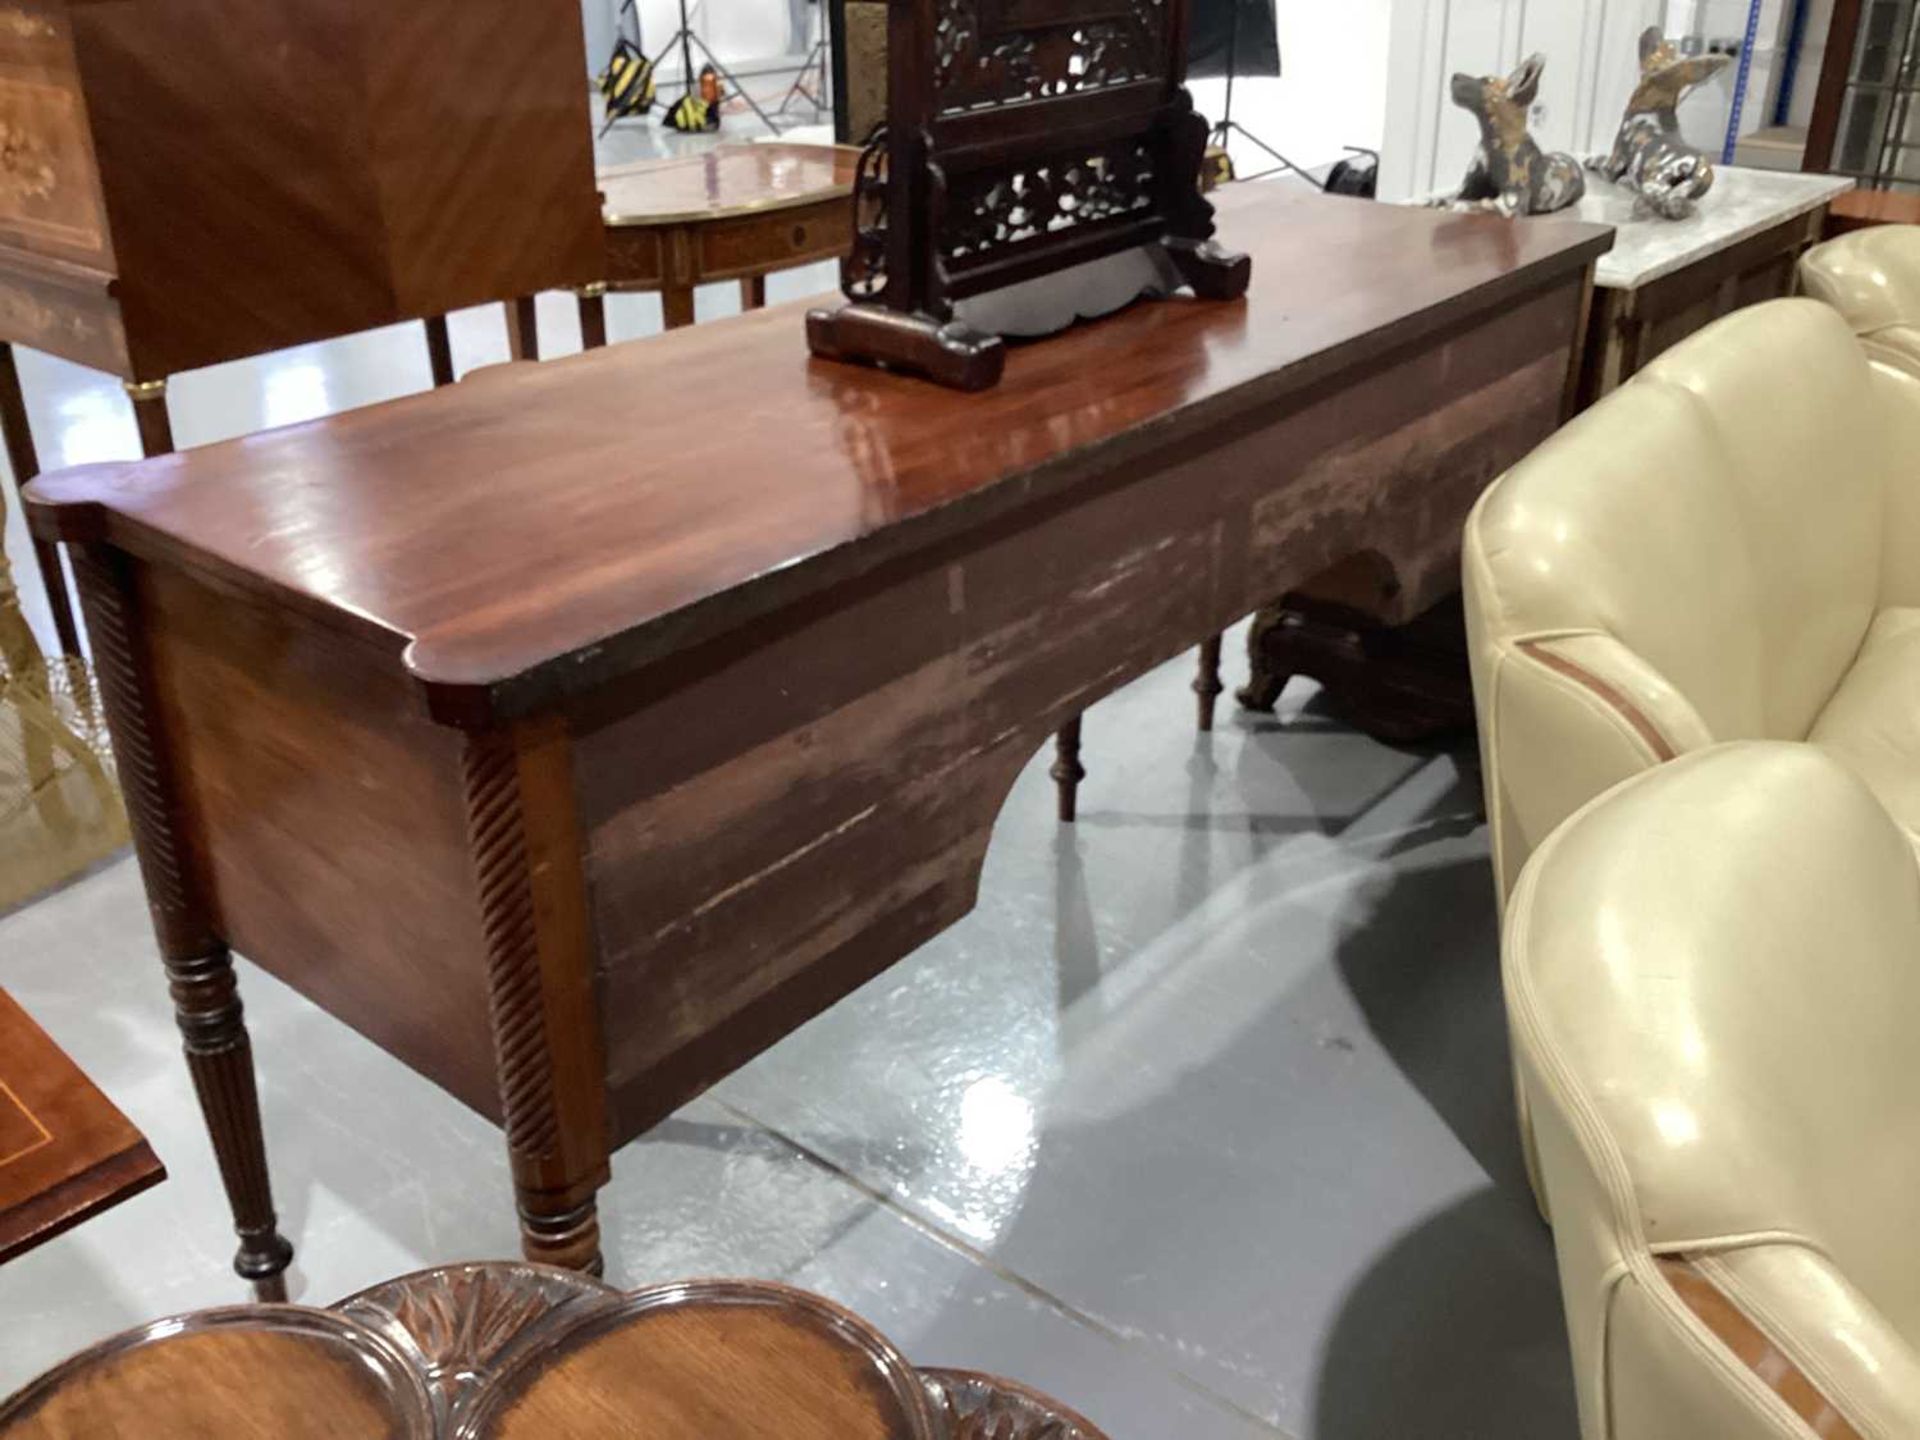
x: 1022, y: 137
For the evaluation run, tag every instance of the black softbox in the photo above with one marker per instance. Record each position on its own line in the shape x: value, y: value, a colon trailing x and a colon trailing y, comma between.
x: 1257, y: 51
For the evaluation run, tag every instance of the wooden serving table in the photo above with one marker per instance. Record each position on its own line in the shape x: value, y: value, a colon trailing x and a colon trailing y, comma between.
x: 1396, y: 665
x: 505, y: 1351
x: 66, y: 1153
x: 576, y: 774
x: 187, y: 182
x: 733, y: 212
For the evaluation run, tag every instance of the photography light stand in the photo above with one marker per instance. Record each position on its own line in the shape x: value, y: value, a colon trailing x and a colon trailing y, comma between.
x: 815, y: 65
x: 686, y: 38
x: 1227, y: 127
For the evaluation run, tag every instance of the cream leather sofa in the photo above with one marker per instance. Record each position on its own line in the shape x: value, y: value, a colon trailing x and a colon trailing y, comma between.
x: 1712, y: 974
x: 1727, y: 547
x: 1872, y: 277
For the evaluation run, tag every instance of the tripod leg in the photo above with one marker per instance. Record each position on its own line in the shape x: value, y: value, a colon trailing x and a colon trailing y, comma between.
x: 733, y: 85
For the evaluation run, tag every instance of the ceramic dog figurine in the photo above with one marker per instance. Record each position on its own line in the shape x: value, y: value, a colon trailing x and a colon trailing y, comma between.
x: 1510, y: 174
x: 1649, y: 154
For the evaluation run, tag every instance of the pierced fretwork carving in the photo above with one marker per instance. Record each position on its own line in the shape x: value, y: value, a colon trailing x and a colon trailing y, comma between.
x: 1024, y: 139
x: 992, y: 209
x: 974, y: 67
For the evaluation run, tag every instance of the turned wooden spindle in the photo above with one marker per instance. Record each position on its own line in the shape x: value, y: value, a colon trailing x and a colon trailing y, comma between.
x: 1067, y: 770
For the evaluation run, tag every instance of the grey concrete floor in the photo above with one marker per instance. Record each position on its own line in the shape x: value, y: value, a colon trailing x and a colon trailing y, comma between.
x: 1200, y: 1120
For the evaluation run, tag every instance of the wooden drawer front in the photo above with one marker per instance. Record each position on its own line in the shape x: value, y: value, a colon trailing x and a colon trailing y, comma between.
x: 758, y: 243
x: 49, y: 192
x: 635, y: 256
x: 62, y: 311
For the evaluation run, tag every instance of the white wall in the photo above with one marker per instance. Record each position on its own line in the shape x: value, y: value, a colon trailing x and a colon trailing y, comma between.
x: 1592, y: 63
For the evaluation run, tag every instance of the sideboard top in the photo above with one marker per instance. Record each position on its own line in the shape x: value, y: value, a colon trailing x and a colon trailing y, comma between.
x: 538, y: 529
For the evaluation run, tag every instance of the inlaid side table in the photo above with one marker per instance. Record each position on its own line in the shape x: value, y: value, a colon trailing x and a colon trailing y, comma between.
x: 514, y: 1351
x: 736, y: 212
x: 66, y: 1152
x: 1394, y: 661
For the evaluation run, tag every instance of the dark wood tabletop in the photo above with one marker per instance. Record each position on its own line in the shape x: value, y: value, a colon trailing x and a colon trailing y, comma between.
x: 65, y: 1152
x: 662, y: 516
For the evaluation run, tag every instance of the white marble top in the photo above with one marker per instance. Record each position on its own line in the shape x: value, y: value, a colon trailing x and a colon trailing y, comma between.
x: 1741, y: 203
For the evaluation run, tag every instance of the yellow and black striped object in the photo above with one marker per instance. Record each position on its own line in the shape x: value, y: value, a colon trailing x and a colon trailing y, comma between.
x: 697, y: 111
x: 627, y: 82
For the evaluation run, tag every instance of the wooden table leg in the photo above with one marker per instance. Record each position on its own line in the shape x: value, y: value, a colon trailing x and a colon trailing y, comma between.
x: 1206, y: 684
x: 525, y: 841
x: 593, y: 315
x: 676, y: 306
x: 1067, y: 770
x: 206, y: 999
x: 149, y: 399
x: 439, y: 350
x: 523, y: 329
x: 753, y: 292
x: 18, y: 436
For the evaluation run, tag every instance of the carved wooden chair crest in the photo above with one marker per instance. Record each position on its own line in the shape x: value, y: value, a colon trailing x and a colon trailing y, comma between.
x: 1024, y: 139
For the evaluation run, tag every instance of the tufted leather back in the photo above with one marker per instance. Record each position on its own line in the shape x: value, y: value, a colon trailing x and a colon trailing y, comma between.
x: 1712, y: 973
x: 1695, y: 559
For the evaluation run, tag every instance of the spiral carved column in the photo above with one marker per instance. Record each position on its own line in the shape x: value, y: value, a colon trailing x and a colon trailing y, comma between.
x: 539, y: 990
x: 206, y: 997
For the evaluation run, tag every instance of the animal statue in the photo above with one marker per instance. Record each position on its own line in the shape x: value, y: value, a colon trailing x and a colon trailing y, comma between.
x: 1649, y: 154
x: 1511, y: 174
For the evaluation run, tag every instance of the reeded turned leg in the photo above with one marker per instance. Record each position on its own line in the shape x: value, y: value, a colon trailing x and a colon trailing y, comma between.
x: 593, y: 315
x: 1206, y: 684
x: 1067, y: 771
x: 439, y: 350
x: 206, y: 999
x: 206, y: 1006
x: 149, y: 399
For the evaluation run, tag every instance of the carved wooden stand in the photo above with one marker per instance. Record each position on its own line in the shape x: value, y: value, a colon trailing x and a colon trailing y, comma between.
x: 501, y: 1351
x: 1399, y: 684
x: 1023, y: 137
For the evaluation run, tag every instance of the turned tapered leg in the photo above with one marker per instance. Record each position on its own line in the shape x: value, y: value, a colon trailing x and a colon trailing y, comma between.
x: 676, y: 306
x: 206, y: 1000
x: 526, y: 848
x: 1067, y: 771
x: 593, y: 315
x: 753, y: 292
x: 26, y: 465
x: 439, y: 350
x: 206, y: 1006
x: 523, y: 329
x: 1206, y: 684
x: 149, y: 399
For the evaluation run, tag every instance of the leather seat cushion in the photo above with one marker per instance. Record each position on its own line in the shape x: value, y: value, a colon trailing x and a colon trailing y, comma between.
x: 1872, y: 723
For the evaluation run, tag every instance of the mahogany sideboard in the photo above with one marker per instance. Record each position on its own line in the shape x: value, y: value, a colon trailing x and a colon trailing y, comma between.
x: 501, y: 1351
x: 66, y: 1151
x: 186, y: 182
x: 575, y: 773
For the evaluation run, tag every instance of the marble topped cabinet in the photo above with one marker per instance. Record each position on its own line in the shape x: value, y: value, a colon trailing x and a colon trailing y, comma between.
x: 1665, y: 279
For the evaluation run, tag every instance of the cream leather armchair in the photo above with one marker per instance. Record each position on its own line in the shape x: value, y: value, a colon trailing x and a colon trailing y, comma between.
x: 1712, y: 974
x: 1727, y: 547
x: 1872, y: 277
